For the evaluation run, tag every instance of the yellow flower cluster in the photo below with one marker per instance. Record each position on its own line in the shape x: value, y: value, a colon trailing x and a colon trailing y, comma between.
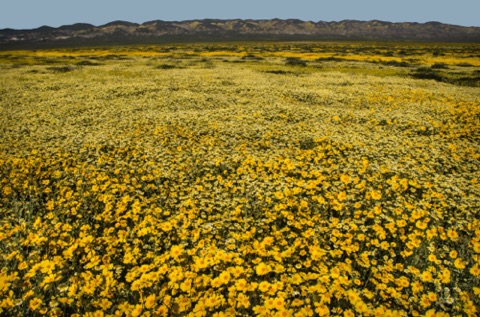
x: 126, y: 190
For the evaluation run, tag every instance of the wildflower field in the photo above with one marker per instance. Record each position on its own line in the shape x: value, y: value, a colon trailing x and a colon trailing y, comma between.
x: 241, y: 179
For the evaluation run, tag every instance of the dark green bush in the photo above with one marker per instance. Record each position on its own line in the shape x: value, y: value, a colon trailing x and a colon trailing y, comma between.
x: 279, y: 72
x: 396, y: 63
x: 426, y: 73
x: 307, y: 143
x: 165, y: 66
x: 439, y: 66
x: 88, y: 63
x: 252, y: 57
x: 295, y: 61
x: 61, y: 69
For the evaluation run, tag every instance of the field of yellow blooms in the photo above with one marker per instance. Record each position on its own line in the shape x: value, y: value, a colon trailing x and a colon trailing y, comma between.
x: 241, y: 179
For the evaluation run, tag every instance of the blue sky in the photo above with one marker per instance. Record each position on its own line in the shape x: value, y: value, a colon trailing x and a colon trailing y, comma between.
x: 25, y: 14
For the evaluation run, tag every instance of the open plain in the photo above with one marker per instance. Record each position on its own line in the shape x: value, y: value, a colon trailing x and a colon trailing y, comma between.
x: 241, y: 179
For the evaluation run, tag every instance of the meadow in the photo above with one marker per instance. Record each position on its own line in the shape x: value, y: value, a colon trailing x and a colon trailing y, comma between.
x: 241, y: 179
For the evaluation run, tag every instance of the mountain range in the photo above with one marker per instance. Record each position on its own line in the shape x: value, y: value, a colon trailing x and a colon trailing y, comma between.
x: 158, y: 31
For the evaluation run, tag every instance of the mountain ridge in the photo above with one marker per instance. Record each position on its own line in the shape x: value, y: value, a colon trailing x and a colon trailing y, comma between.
x: 236, y: 29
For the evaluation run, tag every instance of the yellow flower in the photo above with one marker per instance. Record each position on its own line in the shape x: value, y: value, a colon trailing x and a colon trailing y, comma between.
x: 279, y: 195
x: 376, y: 195
x: 22, y: 266
x: 264, y: 286
x: 425, y: 301
x: 459, y: 264
x: 237, y: 271
x: 421, y: 225
x: 335, y: 272
x: 47, y: 266
x: 50, y: 278
x: 7, y: 190
x: 384, y: 245
x: 262, y: 269
x: 50, y: 204
x: 162, y: 311
x: 452, y: 234
x: 150, y: 301
x: 224, y: 277
x: 269, y: 303
x: 426, y: 276
x: 401, y: 223
x: 136, y: 311
x: 475, y: 270
x: 279, y: 303
x: 296, y: 279
x: 476, y: 291
x: 268, y: 240
x: 167, y: 226
x: 430, y: 313
x: 176, y: 251
x: 35, y: 303
x: 432, y: 296
x: 243, y: 301
x: 322, y: 310
x: 402, y: 282
x: 98, y: 313
x: 104, y: 304
x: 216, y: 283
x: 476, y: 247
x: 348, y: 313
x: 445, y: 276
x: 361, y: 307
x: 200, y: 263
x: 241, y: 285
x: 214, y: 300
x: 432, y: 257
x: 416, y: 287
x: 303, y: 204
x: 345, y: 178
x: 186, y: 285
x: 296, y: 302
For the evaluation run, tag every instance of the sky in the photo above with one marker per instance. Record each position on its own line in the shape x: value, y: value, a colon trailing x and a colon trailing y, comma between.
x: 28, y: 14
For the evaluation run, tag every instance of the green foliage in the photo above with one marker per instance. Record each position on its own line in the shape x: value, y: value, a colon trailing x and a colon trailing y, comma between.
x: 426, y: 73
x: 457, y: 78
x: 279, y: 72
x: 88, y: 63
x: 295, y: 61
x: 61, y: 69
x: 252, y: 57
x: 166, y: 66
x: 439, y: 66
x: 396, y: 63
x: 307, y: 143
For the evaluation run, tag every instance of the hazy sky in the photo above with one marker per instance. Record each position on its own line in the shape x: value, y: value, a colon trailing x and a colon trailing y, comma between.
x: 26, y: 14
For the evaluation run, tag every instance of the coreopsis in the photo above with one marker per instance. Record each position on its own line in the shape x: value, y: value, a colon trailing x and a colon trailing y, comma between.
x: 224, y: 187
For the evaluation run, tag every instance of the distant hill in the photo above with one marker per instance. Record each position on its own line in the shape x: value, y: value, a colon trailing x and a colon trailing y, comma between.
x: 122, y: 32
